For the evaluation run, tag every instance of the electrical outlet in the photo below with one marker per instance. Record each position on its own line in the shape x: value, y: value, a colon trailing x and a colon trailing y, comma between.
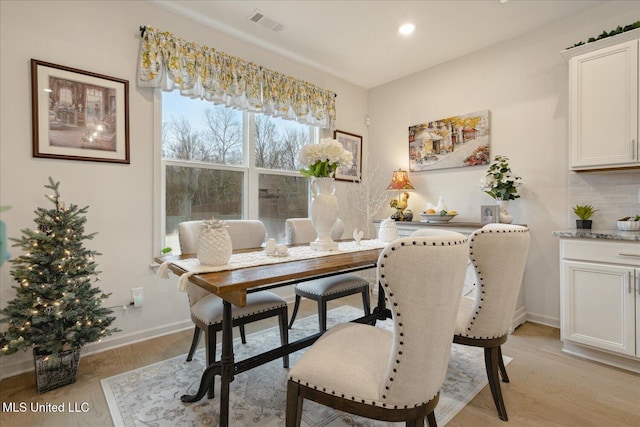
x: 136, y: 296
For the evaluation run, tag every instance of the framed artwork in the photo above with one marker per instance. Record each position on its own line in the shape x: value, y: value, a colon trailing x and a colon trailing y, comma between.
x: 352, y: 143
x: 450, y: 143
x: 489, y: 214
x: 78, y: 115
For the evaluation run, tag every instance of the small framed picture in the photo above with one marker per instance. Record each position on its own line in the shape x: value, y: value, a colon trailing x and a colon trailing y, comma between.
x: 352, y: 143
x: 79, y: 115
x: 489, y: 214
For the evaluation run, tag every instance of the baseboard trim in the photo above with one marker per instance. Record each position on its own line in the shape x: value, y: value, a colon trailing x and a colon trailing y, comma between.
x: 544, y: 320
x: 600, y: 356
x: 25, y: 364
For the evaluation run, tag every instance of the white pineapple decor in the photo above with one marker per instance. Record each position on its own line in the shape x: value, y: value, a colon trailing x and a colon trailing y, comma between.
x: 214, y: 245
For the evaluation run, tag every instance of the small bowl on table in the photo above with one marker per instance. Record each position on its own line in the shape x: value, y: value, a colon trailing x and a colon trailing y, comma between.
x: 628, y: 225
x: 436, y: 218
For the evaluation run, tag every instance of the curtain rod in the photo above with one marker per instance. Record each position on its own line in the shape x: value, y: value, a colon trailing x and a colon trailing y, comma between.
x: 143, y: 29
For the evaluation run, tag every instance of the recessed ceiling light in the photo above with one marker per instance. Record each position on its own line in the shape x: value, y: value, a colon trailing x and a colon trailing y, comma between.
x: 406, y: 29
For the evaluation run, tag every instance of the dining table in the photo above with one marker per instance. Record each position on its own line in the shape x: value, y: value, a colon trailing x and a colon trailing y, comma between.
x: 233, y: 281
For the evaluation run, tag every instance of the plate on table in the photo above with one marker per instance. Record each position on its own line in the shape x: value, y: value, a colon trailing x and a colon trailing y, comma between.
x: 436, y: 218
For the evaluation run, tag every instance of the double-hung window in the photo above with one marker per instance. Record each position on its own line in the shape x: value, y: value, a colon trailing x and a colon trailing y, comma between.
x: 222, y: 162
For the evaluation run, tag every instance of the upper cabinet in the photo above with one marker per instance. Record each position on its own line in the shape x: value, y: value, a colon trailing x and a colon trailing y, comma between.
x: 603, y: 104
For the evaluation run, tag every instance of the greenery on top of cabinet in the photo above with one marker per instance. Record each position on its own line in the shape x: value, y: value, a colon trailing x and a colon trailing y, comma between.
x: 604, y: 34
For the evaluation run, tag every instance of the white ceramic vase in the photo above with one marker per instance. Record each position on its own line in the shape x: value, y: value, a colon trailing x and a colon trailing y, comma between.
x: 324, y: 213
x: 505, y: 216
x: 388, y: 231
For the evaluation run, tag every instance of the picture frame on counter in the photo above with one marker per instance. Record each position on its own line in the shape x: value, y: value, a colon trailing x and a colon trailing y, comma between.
x: 489, y: 214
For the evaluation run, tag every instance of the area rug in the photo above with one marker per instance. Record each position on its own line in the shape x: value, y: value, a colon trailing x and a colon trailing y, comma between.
x: 150, y: 396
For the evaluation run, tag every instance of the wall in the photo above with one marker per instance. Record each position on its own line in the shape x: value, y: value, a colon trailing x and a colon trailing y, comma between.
x: 103, y: 37
x: 524, y: 84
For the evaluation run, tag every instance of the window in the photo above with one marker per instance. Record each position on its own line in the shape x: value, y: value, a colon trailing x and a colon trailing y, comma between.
x: 222, y: 162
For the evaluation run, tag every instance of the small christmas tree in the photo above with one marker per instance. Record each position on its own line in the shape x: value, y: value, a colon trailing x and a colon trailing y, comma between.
x: 56, y: 308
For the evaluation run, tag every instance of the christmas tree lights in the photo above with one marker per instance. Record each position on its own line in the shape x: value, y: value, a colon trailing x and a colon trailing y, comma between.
x: 56, y: 308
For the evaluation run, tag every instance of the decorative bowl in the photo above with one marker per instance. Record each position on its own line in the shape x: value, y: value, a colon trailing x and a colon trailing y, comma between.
x: 628, y: 225
x: 436, y: 218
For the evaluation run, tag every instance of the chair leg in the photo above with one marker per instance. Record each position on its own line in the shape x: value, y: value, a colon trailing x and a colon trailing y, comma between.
x: 431, y: 420
x: 491, y: 365
x: 197, y: 333
x: 322, y: 314
x: 243, y: 335
x: 366, y: 304
x: 284, y: 334
x: 294, y: 405
x: 503, y: 369
x: 295, y: 310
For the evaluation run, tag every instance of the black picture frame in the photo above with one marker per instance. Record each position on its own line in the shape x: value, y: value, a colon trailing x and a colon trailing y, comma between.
x: 352, y: 143
x: 79, y: 115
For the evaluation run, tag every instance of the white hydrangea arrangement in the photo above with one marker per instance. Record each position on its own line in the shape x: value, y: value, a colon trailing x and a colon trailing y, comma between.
x: 321, y: 160
x: 499, y: 182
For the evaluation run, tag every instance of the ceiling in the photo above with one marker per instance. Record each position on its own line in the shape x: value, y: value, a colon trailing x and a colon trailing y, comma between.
x: 359, y: 42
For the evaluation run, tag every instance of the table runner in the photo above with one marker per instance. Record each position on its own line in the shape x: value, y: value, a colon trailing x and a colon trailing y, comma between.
x: 250, y: 259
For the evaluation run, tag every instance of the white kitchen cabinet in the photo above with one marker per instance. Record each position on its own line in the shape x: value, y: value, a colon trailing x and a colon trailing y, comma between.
x: 603, y: 104
x: 600, y: 300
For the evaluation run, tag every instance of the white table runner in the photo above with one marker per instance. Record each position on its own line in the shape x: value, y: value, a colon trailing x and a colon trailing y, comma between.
x: 251, y: 259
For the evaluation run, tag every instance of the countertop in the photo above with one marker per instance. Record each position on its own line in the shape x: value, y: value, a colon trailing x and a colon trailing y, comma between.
x: 599, y: 234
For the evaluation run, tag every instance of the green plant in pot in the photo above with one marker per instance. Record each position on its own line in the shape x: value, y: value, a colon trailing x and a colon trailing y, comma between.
x: 56, y: 310
x: 584, y: 212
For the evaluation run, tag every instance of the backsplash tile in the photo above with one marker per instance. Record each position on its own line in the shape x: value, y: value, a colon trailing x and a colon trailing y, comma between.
x: 613, y: 193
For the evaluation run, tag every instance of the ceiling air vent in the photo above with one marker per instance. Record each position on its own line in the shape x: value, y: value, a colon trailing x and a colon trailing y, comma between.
x: 259, y: 18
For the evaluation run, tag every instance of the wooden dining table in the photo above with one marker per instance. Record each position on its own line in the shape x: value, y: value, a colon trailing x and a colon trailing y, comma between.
x: 233, y: 285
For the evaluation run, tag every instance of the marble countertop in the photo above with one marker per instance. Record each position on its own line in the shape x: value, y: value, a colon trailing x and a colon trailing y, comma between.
x: 598, y: 234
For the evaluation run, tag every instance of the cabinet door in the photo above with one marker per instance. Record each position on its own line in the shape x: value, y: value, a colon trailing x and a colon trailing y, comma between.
x: 598, y: 306
x: 637, y: 312
x: 604, y: 107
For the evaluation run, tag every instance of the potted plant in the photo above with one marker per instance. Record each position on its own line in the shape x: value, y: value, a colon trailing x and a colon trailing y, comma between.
x: 56, y: 310
x: 629, y: 223
x: 584, y: 212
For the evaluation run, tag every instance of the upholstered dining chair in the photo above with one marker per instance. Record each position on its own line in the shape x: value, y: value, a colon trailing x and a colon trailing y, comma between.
x: 206, y: 308
x: 300, y: 230
x: 390, y: 375
x: 498, y: 253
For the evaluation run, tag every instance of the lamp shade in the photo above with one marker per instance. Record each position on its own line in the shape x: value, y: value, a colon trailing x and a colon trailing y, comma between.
x: 400, y: 181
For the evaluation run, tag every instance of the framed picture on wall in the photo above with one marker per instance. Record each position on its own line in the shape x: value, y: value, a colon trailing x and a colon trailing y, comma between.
x: 489, y: 214
x: 352, y: 143
x: 79, y: 115
x: 452, y: 142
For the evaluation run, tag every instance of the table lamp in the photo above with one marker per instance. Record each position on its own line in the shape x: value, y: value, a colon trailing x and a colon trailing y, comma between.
x: 400, y: 181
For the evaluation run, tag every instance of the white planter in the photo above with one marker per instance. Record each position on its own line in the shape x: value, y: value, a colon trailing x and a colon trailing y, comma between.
x: 324, y: 213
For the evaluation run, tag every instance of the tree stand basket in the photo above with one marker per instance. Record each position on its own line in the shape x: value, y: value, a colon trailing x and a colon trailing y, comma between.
x: 54, y: 372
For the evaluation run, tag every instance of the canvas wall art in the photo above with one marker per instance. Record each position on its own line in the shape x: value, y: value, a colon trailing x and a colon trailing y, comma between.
x: 453, y: 142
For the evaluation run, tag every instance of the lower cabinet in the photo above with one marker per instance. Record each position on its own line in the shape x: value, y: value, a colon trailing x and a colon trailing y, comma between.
x: 600, y: 300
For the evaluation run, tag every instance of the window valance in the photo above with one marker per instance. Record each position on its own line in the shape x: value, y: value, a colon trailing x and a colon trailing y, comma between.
x: 171, y: 63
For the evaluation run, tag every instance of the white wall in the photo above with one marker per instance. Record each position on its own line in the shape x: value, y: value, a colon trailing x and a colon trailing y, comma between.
x: 524, y: 84
x: 103, y: 37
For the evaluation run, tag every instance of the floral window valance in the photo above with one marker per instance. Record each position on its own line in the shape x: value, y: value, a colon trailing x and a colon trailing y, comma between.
x: 171, y: 63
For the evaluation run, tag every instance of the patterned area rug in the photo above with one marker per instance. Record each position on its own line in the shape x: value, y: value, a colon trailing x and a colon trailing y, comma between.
x: 150, y: 396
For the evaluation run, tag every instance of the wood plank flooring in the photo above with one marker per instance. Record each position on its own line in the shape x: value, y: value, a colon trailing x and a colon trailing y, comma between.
x: 547, y: 388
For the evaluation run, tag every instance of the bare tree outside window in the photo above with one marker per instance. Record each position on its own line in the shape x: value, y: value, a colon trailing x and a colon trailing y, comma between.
x: 203, y: 149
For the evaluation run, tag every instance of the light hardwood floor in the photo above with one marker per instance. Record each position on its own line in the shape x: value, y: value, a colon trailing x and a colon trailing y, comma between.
x: 547, y: 388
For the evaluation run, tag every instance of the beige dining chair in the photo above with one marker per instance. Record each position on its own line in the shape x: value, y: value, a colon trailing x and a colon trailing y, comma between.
x: 392, y: 375
x: 206, y: 308
x: 300, y: 231
x: 498, y: 253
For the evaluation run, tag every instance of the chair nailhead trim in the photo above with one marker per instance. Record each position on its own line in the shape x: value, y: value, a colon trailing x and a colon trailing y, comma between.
x: 400, y: 324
